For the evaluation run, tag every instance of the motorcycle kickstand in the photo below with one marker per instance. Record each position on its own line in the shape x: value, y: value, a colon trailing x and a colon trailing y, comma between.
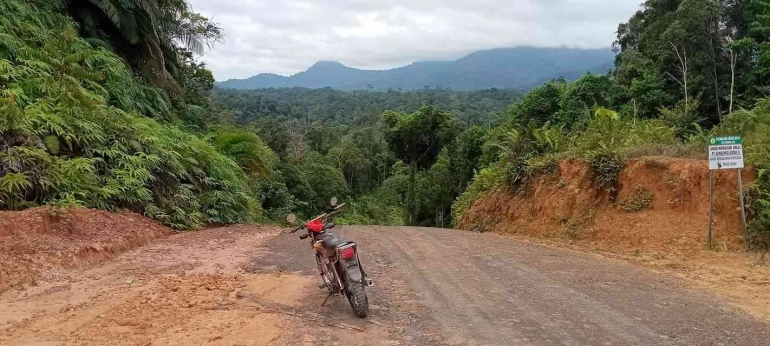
x: 327, y: 298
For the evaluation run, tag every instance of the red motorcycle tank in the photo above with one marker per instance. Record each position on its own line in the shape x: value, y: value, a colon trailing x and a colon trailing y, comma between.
x: 315, y: 226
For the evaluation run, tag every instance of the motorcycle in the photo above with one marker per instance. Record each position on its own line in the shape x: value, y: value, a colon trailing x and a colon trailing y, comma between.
x: 337, y: 260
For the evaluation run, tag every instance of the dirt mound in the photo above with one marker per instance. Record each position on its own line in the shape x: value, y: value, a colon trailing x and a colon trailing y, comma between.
x: 661, y: 204
x: 41, y: 242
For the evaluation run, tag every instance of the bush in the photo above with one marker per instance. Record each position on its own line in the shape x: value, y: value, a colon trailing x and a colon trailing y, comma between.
x: 298, y: 187
x: 485, y: 181
x: 375, y: 209
x: 759, y: 206
x: 277, y: 202
x: 606, y: 166
x: 639, y: 200
x: 754, y: 126
x: 684, y: 119
x: 517, y: 173
x: 759, y: 232
x: 248, y: 150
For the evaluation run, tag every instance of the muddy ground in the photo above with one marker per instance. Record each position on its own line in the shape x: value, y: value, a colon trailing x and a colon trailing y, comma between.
x: 187, y: 289
x: 249, y: 285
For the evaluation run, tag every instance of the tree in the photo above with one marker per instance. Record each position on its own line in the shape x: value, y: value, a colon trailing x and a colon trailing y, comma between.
x: 756, y: 44
x: 642, y: 83
x: 196, y: 82
x: 688, y: 37
x: 437, y: 190
x: 151, y: 35
x: 697, y: 27
x: 417, y: 139
x: 683, y: 69
x: 467, y: 156
x: 540, y: 105
x: 352, y: 161
x: 273, y: 132
x: 583, y: 95
x: 326, y: 181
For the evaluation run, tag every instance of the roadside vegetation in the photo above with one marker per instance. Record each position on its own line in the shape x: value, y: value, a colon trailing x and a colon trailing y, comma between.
x: 680, y: 77
x: 79, y: 127
x: 104, y: 105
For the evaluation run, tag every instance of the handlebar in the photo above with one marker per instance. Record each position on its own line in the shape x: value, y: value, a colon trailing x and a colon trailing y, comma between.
x: 336, y: 210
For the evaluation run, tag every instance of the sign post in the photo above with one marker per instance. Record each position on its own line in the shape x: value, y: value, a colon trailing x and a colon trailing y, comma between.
x: 711, y: 205
x: 726, y: 153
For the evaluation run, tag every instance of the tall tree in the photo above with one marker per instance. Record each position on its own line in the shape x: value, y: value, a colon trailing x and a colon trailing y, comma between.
x: 417, y: 139
x: 678, y: 35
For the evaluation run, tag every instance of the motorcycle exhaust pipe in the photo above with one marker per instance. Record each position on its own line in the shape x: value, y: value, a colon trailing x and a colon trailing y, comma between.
x: 369, y: 283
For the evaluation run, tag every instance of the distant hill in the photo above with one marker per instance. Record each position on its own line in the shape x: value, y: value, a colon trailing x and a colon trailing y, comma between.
x: 509, y: 68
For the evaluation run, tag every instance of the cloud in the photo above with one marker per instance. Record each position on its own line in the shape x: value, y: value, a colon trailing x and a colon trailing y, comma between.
x: 288, y: 36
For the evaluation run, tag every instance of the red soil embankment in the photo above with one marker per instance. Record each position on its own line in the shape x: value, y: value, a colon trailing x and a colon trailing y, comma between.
x: 567, y: 204
x: 40, y: 243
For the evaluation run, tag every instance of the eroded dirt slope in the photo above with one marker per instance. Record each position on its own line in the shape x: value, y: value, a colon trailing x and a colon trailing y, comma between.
x: 41, y: 243
x: 567, y: 204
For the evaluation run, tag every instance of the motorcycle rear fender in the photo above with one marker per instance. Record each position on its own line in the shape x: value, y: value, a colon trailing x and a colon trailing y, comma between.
x: 352, y: 266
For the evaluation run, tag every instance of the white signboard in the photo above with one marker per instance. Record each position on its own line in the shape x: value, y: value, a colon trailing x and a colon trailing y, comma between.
x: 725, y: 153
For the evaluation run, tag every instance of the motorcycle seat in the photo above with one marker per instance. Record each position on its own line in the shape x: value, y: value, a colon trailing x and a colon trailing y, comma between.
x: 330, y: 241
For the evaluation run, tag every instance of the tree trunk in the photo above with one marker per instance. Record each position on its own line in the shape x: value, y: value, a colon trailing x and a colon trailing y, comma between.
x: 715, y: 77
x: 714, y: 72
x: 683, y: 68
x: 410, y: 203
x: 733, y: 59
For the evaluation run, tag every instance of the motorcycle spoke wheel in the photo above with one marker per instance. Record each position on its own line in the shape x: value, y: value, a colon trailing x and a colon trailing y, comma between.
x: 357, y: 298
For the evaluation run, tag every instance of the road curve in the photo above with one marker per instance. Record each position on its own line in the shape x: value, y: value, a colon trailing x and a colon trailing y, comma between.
x: 449, y: 287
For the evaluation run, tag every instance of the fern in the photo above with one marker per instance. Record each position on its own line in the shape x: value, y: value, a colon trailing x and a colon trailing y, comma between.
x: 74, y: 132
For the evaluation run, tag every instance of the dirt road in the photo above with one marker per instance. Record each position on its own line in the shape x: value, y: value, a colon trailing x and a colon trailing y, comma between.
x: 248, y: 285
x: 461, y: 288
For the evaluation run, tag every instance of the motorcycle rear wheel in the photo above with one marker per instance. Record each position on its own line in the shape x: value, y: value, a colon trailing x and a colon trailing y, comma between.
x: 357, y: 298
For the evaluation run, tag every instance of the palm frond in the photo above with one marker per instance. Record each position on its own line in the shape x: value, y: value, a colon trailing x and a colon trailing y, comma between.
x: 110, y: 10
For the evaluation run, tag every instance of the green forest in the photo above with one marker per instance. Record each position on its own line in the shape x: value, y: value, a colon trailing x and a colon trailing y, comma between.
x: 335, y: 107
x: 104, y: 105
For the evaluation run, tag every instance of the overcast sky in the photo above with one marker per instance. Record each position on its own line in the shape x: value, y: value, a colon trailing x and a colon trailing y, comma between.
x: 287, y: 36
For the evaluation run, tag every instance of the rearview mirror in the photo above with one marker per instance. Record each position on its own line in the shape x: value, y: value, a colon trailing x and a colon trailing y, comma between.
x: 333, y: 202
x: 291, y: 218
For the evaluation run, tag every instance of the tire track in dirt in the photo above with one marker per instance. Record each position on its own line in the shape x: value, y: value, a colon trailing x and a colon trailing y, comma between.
x: 483, y: 299
x: 514, y: 295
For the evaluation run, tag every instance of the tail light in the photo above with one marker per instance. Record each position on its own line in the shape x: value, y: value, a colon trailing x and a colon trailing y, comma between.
x: 347, y: 252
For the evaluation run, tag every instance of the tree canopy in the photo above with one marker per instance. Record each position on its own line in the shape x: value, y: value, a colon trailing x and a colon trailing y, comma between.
x: 417, y: 139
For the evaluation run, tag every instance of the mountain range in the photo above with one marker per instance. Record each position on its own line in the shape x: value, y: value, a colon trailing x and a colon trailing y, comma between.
x: 507, y: 68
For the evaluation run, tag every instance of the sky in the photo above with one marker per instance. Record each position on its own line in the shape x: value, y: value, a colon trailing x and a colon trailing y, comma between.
x: 288, y: 36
